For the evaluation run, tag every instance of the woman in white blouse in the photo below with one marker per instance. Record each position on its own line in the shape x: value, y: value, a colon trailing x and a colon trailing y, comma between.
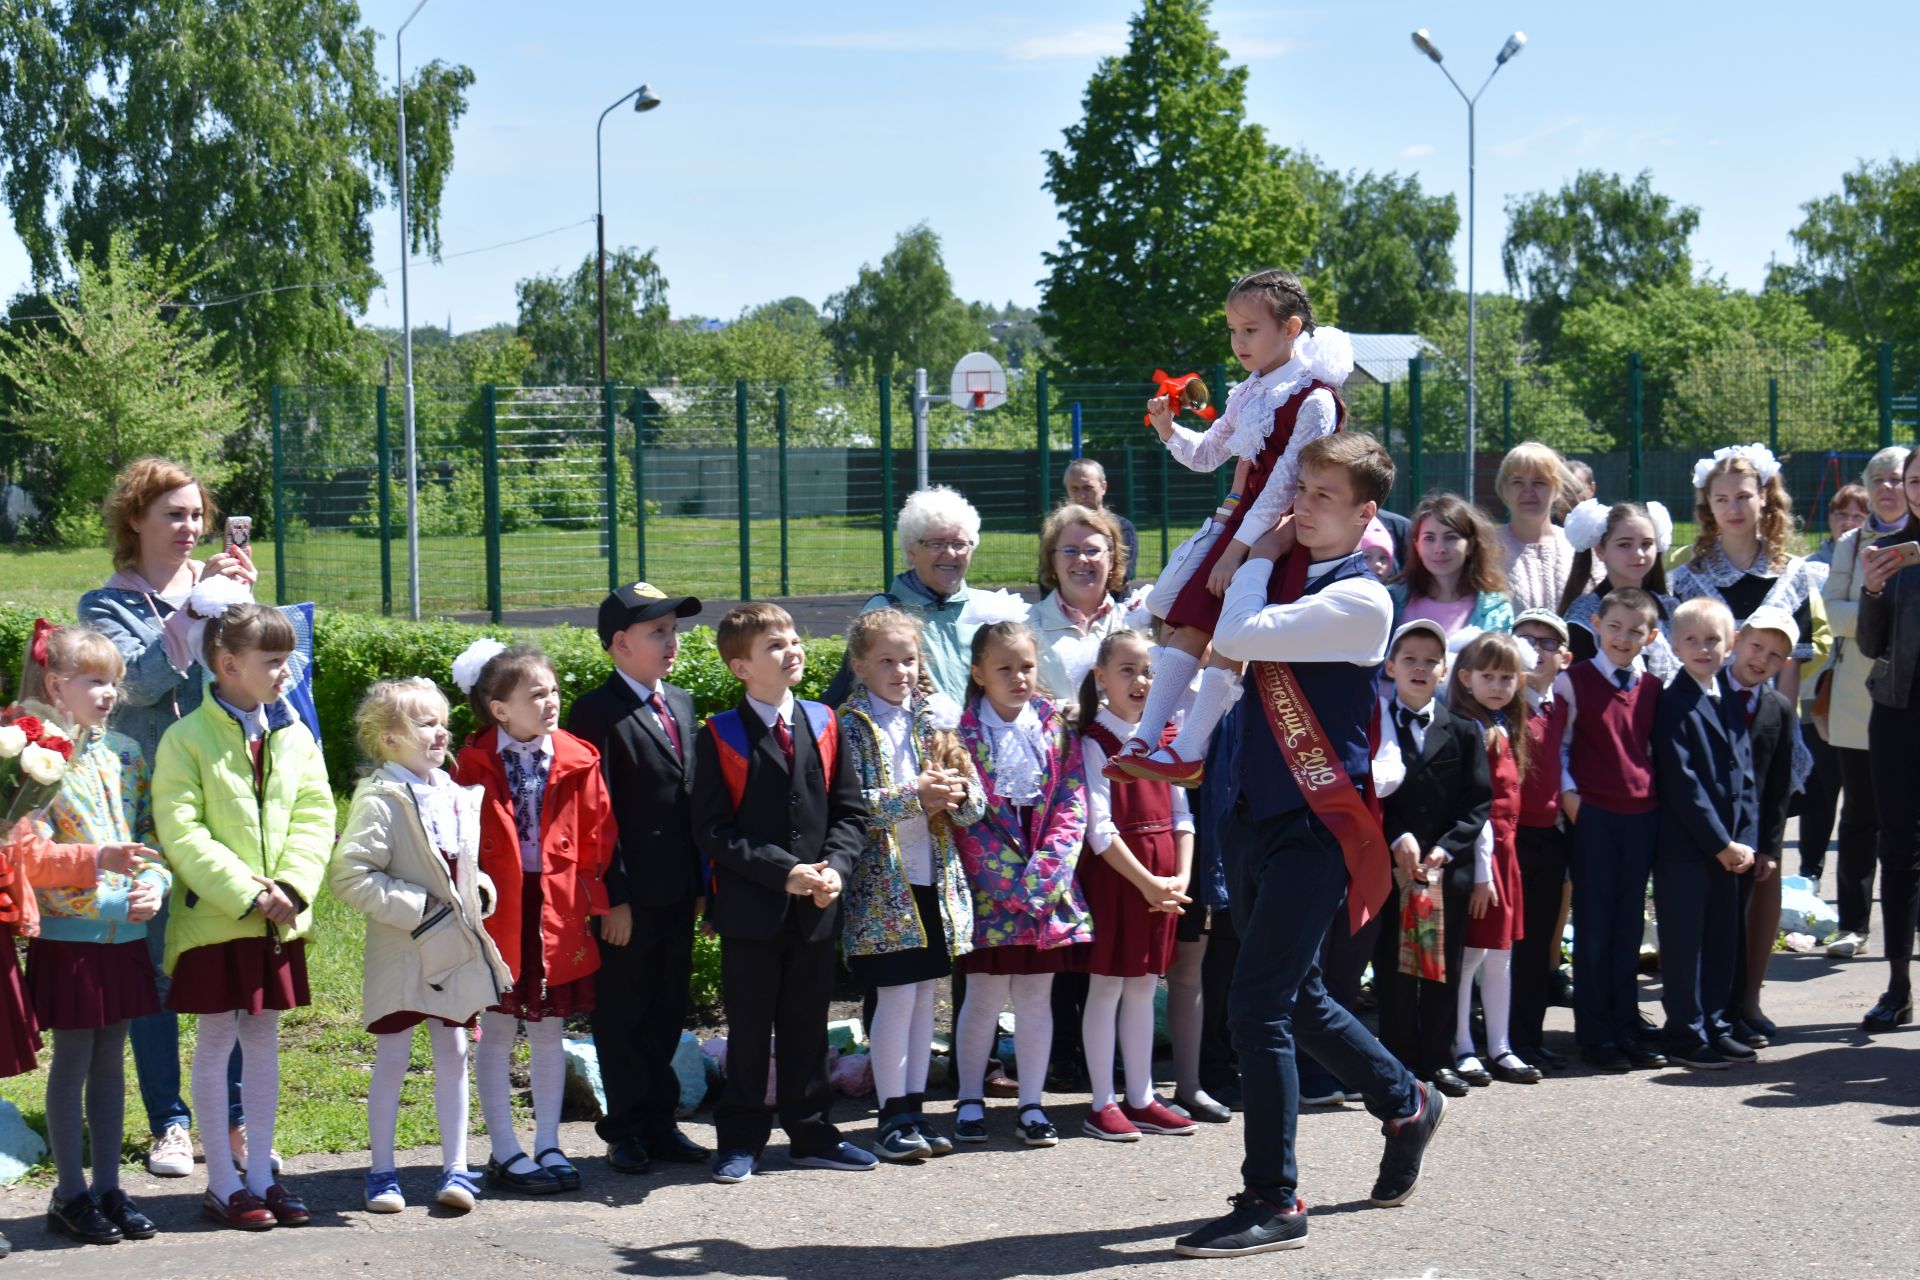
x: 1534, y: 550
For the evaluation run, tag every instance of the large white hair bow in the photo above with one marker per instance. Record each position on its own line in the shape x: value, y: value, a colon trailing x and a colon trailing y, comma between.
x: 1587, y: 525
x: 473, y: 660
x: 212, y: 596
x: 1765, y: 465
x: 984, y: 608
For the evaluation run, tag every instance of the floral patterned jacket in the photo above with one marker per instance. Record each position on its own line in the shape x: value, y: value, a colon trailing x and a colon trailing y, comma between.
x: 104, y: 798
x: 1022, y: 898
x: 879, y: 911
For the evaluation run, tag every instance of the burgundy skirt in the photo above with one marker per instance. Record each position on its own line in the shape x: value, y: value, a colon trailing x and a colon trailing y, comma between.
x: 1129, y: 940
x: 83, y: 986
x: 407, y: 1020
x: 1017, y: 961
x: 246, y: 975
x: 19, y: 1038
x: 527, y: 1001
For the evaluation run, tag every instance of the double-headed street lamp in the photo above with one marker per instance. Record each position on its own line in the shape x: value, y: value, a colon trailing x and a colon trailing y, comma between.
x: 1423, y: 41
x: 644, y: 99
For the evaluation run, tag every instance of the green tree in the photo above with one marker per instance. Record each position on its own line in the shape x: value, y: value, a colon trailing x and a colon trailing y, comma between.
x: 1385, y: 247
x: 1597, y: 238
x: 902, y: 315
x: 254, y: 136
x: 1168, y: 195
x: 1858, y: 258
x: 125, y: 371
x: 1016, y: 336
x: 560, y: 319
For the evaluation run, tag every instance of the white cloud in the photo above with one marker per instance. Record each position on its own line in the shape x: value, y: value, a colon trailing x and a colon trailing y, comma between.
x: 1081, y: 42
x: 1540, y: 133
x: 1415, y: 150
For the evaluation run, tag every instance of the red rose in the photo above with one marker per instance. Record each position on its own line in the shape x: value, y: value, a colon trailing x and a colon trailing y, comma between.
x: 31, y: 726
x: 62, y: 747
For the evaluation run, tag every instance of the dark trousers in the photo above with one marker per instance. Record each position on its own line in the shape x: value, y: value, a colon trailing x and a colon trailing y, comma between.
x: 1343, y: 962
x: 1818, y: 804
x: 1418, y: 1017
x: 778, y: 987
x: 1288, y: 879
x: 1217, y: 1068
x: 1698, y: 905
x: 1069, y: 997
x: 1536, y: 955
x: 639, y: 1010
x: 1858, y: 856
x: 1893, y: 735
x: 1612, y: 858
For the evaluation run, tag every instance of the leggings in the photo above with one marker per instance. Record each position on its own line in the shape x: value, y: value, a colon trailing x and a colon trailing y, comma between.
x: 93, y: 1062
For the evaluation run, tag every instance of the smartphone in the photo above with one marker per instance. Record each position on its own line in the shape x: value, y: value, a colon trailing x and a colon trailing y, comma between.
x: 1907, y: 553
x: 240, y: 533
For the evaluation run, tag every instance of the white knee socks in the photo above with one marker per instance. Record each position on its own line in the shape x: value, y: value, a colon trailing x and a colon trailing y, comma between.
x: 1219, y: 687
x: 258, y: 1035
x: 1494, y: 969
x: 450, y: 1093
x: 390, y: 1055
x: 1185, y: 1008
x: 1122, y: 1009
x: 1172, y: 673
x: 1033, y: 1032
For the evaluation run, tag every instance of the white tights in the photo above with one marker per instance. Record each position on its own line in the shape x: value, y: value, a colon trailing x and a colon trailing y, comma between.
x: 1131, y: 1000
x: 1496, y: 998
x: 987, y: 994
x: 390, y: 1058
x: 258, y: 1035
x: 549, y: 1071
x: 1185, y: 1008
x: 901, y: 1039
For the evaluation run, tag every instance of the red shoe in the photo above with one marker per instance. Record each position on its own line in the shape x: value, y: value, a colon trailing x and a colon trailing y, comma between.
x: 1178, y: 772
x: 1107, y: 1124
x: 1156, y: 1118
x: 243, y: 1210
x: 1115, y: 770
x: 286, y: 1209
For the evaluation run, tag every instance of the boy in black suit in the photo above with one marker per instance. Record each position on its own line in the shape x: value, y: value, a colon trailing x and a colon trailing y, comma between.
x: 1709, y: 817
x: 1433, y: 819
x: 1760, y: 650
x: 778, y: 811
x: 643, y: 728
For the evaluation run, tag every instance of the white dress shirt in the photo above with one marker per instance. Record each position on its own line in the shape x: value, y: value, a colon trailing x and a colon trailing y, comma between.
x: 769, y: 713
x: 1101, y: 831
x: 912, y: 835
x: 647, y: 693
x: 538, y: 751
x: 1564, y: 687
x: 1350, y: 621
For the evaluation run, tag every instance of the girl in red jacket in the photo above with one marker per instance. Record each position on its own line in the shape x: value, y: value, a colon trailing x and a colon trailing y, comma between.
x: 544, y: 842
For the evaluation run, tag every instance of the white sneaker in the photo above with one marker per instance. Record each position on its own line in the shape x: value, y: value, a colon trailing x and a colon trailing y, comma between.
x: 171, y: 1155
x: 1846, y: 946
x: 237, y: 1144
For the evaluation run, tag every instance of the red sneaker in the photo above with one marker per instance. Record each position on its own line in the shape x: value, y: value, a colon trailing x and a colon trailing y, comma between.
x: 1156, y: 1118
x: 1107, y: 1124
x: 243, y: 1210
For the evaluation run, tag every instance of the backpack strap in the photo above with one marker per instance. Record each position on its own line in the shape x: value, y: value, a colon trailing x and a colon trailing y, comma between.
x: 826, y: 735
x: 730, y: 739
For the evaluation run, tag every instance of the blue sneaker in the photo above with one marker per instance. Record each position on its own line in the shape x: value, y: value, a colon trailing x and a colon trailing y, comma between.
x: 733, y: 1166
x: 457, y: 1190
x: 845, y: 1157
x: 383, y: 1193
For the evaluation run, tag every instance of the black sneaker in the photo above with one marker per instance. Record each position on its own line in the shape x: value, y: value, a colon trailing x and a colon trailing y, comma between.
x: 1699, y: 1058
x: 1256, y: 1225
x: 1732, y: 1050
x: 1407, y: 1142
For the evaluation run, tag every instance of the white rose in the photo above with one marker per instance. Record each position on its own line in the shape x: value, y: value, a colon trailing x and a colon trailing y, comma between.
x: 42, y: 765
x: 12, y: 740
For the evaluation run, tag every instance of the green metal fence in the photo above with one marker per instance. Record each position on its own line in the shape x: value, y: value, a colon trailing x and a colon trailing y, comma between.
x: 539, y: 498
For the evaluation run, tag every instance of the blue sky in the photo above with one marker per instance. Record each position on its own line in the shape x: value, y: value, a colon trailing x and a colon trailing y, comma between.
x: 796, y: 141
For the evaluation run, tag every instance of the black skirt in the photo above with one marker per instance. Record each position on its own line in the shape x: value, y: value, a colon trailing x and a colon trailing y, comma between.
x: 923, y: 963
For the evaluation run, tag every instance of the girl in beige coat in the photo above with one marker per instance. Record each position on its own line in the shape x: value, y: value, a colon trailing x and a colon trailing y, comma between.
x: 408, y: 860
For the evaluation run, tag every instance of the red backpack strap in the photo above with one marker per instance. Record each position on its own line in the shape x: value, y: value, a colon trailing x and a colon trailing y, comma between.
x: 826, y: 735
x: 730, y: 742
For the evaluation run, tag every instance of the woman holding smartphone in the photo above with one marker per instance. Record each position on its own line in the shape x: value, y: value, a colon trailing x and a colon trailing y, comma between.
x: 156, y: 514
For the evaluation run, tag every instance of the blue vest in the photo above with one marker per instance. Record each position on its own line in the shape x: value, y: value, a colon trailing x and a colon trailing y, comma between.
x: 1342, y: 697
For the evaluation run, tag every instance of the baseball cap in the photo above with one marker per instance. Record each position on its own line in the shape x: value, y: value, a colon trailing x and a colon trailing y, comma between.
x: 640, y: 602
x: 1772, y: 618
x: 1548, y: 619
x: 1428, y: 625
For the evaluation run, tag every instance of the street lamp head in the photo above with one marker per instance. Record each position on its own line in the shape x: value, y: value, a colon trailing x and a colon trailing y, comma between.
x: 645, y: 99
x: 1423, y: 41
x: 1515, y: 43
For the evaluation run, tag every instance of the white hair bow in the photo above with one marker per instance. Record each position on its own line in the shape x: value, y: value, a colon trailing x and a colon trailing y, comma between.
x: 473, y: 660
x: 1586, y: 525
x: 942, y: 712
x: 1764, y: 464
x: 212, y: 596
x: 984, y: 608
x: 1662, y: 526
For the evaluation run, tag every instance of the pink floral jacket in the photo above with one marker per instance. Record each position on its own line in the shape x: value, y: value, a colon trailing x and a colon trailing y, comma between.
x: 1024, y: 892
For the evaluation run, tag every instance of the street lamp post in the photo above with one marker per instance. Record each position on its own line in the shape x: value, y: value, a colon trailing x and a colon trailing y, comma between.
x: 644, y: 99
x: 406, y: 331
x: 1424, y: 43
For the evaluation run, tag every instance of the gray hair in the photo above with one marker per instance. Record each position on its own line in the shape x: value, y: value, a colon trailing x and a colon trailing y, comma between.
x: 1892, y: 459
x: 936, y: 507
x: 1087, y: 464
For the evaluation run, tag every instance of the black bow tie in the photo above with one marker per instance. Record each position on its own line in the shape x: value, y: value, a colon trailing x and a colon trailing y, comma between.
x: 1406, y: 718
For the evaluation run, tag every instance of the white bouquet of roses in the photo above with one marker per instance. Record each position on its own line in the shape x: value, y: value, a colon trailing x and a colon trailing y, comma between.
x: 33, y: 758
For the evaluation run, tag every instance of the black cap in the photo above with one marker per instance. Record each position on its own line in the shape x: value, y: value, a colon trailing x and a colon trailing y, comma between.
x: 640, y: 602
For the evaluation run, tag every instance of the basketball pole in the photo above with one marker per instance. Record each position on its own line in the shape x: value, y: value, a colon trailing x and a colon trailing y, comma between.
x: 921, y: 401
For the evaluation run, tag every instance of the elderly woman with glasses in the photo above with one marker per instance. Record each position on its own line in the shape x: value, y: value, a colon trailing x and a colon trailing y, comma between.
x: 1082, y: 567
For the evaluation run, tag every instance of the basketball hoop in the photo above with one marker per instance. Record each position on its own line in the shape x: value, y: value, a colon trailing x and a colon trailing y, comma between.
x: 978, y: 382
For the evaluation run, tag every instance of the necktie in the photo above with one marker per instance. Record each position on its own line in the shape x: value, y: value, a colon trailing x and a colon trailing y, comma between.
x: 783, y: 736
x: 1752, y: 698
x: 1624, y: 678
x: 659, y: 705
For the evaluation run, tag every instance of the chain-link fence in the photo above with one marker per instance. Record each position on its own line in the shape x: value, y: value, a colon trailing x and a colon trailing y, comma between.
x: 539, y: 498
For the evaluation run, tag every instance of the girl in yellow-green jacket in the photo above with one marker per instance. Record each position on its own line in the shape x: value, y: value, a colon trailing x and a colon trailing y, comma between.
x: 245, y: 816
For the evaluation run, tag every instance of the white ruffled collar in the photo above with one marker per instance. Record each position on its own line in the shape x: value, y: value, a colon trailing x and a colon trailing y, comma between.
x: 1325, y: 355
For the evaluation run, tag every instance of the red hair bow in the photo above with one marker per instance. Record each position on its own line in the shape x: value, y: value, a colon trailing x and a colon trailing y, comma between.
x: 38, y: 648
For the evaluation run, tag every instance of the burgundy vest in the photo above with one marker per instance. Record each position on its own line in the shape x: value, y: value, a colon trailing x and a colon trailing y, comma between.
x: 1139, y: 807
x: 1612, y: 754
x: 1540, y: 789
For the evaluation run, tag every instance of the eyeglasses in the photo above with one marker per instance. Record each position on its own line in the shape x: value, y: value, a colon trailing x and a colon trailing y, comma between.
x: 1543, y: 644
x: 939, y: 546
x: 1082, y: 553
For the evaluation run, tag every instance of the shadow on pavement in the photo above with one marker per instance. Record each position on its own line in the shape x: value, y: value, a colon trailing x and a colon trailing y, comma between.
x: 1045, y: 1254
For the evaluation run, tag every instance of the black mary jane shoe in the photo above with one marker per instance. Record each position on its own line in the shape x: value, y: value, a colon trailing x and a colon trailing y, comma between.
x: 123, y: 1213
x: 1890, y: 1011
x: 676, y: 1147
x: 562, y: 1169
x: 1512, y: 1068
x: 80, y: 1219
x: 1476, y: 1075
x: 536, y: 1181
x: 1039, y: 1131
x: 1449, y: 1082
